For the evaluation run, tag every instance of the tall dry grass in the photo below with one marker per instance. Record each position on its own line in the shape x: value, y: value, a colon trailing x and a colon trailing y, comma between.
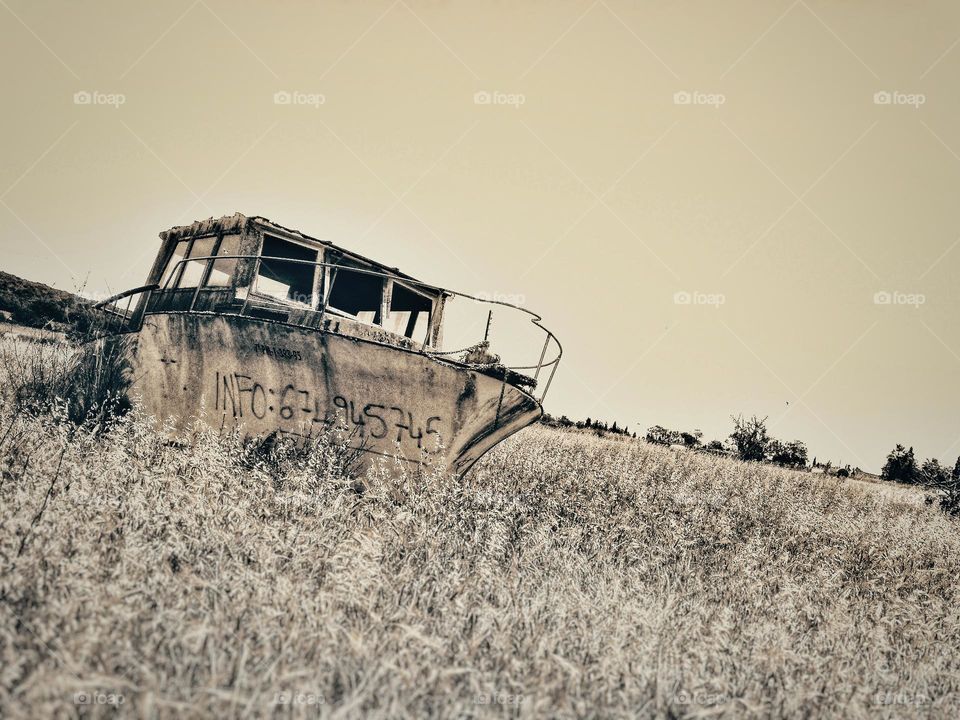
x: 568, y: 576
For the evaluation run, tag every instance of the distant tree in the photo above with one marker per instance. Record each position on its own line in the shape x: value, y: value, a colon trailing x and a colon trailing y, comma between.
x: 715, y: 445
x: 798, y: 450
x: 934, y: 474
x: 750, y: 437
x: 614, y: 428
x: 690, y: 439
x: 843, y: 472
x: 901, y: 466
x: 788, y: 454
x: 661, y: 435
x: 956, y: 470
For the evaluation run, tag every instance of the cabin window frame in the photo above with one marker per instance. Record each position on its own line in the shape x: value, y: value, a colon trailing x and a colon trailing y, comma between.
x: 341, y: 260
x: 388, y: 298
x: 316, y: 286
x: 172, y: 281
x: 223, y: 237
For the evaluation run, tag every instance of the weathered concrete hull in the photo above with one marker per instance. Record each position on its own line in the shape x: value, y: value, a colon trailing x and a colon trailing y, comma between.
x: 267, y: 377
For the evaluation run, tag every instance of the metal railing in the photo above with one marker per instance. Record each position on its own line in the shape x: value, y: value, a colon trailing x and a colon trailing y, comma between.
x: 322, y: 308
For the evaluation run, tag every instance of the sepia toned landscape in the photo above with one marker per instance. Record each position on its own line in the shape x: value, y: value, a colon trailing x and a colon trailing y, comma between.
x: 414, y: 359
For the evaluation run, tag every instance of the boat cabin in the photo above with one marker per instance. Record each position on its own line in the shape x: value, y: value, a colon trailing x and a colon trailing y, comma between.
x: 256, y: 268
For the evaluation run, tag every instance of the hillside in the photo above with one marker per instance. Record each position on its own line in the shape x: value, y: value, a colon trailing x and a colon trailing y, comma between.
x: 35, y: 305
x: 567, y: 576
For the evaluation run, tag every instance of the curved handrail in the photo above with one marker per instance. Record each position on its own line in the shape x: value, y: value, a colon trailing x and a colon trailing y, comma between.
x: 125, y: 293
x: 536, y: 319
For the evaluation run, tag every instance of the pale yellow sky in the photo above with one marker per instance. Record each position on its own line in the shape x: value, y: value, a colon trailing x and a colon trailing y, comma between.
x: 631, y: 152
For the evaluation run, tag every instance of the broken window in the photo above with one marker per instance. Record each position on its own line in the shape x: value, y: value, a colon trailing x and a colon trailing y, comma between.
x: 221, y: 275
x: 356, y: 293
x: 193, y: 270
x: 409, y: 313
x: 289, y: 281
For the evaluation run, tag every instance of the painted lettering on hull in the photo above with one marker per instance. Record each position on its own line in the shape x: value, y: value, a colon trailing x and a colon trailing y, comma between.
x: 380, y: 425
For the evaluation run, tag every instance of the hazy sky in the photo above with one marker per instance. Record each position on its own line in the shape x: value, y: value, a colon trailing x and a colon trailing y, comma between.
x: 737, y: 152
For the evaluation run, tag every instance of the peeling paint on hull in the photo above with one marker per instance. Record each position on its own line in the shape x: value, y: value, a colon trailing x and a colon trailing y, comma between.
x: 266, y: 377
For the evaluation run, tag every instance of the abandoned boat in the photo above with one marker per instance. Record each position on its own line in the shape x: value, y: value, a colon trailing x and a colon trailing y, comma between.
x: 245, y: 323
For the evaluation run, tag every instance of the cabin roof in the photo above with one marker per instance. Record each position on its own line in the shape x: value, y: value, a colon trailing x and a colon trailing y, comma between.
x: 239, y: 223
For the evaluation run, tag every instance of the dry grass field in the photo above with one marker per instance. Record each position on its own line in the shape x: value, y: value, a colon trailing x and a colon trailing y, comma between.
x: 567, y: 576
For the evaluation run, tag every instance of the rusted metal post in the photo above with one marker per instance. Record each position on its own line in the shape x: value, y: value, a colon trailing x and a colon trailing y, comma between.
x: 329, y: 278
x: 543, y: 354
x: 426, y: 340
x: 126, y: 312
x: 486, y: 333
x: 196, y: 293
x: 142, y: 311
x: 549, y: 380
x: 253, y: 282
x: 503, y: 389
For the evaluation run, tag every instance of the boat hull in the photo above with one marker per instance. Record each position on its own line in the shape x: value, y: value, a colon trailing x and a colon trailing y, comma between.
x: 268, y: 377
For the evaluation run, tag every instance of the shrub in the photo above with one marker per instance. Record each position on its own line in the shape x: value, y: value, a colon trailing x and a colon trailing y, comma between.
x: 750, y: 437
